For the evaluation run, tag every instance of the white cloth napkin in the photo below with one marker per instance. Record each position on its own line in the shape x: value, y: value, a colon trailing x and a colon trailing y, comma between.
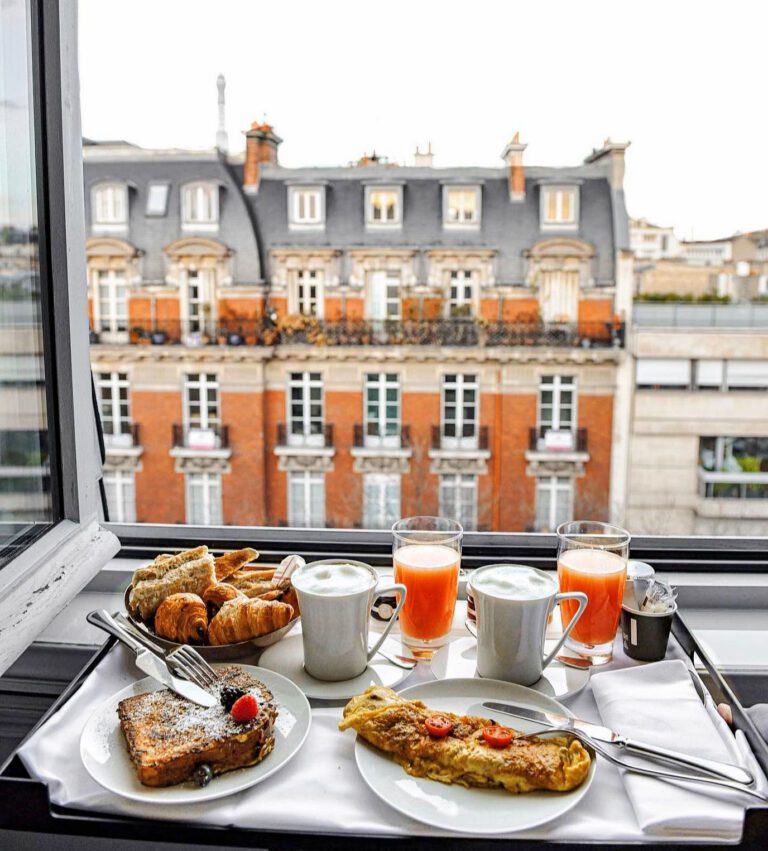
x: 658, y: 704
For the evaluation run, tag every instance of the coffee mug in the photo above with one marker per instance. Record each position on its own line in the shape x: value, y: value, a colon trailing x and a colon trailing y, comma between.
x: 512, y: 619
x: 335, y: 619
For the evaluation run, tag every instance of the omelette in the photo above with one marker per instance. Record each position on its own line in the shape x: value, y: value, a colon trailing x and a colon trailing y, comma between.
x: 463, y: 755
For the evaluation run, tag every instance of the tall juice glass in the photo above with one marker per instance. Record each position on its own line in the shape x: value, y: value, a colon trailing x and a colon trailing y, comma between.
x: 592, y: 557
x: 426, y: 553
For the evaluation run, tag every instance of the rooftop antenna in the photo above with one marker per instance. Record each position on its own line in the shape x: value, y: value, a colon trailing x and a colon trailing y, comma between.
x: 222, y: 141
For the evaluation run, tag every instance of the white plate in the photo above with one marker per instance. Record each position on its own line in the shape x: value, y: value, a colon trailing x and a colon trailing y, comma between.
x: 105, y: 755
x: 287, y: 658
x: 454, y: 807
x: 459, y: 660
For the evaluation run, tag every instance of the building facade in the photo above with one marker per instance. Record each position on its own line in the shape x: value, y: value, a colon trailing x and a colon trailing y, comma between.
x: 343, y: 346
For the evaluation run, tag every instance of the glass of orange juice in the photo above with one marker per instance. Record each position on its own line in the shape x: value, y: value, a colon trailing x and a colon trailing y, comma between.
x: 426, y: 553
x: 592, y: 557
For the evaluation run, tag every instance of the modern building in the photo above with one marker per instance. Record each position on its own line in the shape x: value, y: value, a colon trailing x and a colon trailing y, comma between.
x: 699, y: 435
x: 343, y: 346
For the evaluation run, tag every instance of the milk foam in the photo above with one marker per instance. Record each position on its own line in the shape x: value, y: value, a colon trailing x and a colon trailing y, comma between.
x: 333, y: 580
x: 513, y: 583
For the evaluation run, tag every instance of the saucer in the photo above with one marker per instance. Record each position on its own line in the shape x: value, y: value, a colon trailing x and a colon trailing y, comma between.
x: 458, y: 660
x: 287, y: 658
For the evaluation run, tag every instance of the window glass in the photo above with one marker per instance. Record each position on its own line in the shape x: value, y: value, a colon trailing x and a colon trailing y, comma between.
x: 462, y: 206
x: 382, y: 409
x: 110, y: 204
x: 663, y: 372
x: 157, y: 199
x: 306, y: 499
x: 458, y: 499
x: 381, y: 500
x: 203, y: 499
x: 459, y: 405
x: 305, y: 206
x: 309, y: 293
x: 461, y: 295
x: 305, y: 409
x: 559, y: 206
x: 26, y: 502
x: 554, y: 495
x: 199, y: 204
x: 121, y: 497
x: 733, y: 467
x: 383, y: 206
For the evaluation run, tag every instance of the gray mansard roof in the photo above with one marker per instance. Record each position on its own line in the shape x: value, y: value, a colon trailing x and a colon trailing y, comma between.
x: 509, y: 228
x: 253, y: 224
x: 151, y: 234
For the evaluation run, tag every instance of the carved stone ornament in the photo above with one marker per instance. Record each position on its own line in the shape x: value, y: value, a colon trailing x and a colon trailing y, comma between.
x: 381, y: 464
x: 452, y: 464
x: 202, y: 464
x: 302, y: 463
x: 119, y: 461
x: 555, y: 467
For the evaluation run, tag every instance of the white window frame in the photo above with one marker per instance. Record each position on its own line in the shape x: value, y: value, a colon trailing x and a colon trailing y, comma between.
x: 121, y: 484
x: 554, y: 485
x: 110, y: 315
x: 193, y: 198
x: 116, y: 428
x: 558, y: 385
x: 311, y: 431
x: 462, y: 293
x: 300, y: 513
x: 462, y: 222
x: 460, y: 384
x: 559, y: 295
x: 302, y: 300
x: 373, y: 223
x: 391, y: 305
x: 559, y: 221
x: 300, y: 201
x: 381, y: 500
x: 109, y: 207
x: 387, y: 429
x: 195, y: 319
x: 453, y: 488
x: 209, y: 416
x: 209, y: 485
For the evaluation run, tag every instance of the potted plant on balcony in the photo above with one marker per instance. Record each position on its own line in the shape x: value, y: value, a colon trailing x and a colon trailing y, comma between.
x: 158, y: 337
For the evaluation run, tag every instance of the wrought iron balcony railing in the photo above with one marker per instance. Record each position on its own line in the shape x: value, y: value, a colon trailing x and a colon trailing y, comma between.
x: 127, y: 439
x: 401, y: 440
x: 560, y: 440
x: 202, y: 439
x: 469, y: 442
x: 322, y: 438
x: 301, y: 330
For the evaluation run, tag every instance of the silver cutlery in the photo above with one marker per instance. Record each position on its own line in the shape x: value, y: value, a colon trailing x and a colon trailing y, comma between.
x: 150, y: 662
x: 596, y: 732
x: 405, y: 662
x: 184, y: 660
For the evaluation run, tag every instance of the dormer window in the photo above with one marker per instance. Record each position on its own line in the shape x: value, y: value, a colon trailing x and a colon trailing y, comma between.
x: 200, y: 206
x: 461, y: 206
x: 306, y: 207
x: 109, y: 206
x: 559, y: 206
x: 383, y: 206
x: 157, y: 199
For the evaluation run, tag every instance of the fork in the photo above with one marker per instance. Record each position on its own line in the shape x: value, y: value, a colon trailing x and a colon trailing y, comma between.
x: 636, y: 769
x: 184, y: 661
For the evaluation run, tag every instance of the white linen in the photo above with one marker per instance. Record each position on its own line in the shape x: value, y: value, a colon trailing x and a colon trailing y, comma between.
x: 658, y: 704
x: 319, y: 791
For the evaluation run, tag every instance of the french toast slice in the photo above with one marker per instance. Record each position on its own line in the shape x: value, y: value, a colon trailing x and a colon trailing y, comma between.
x: 168, y: 737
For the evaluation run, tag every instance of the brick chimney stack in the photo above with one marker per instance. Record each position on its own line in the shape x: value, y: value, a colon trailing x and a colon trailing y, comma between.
x: 261, y: 143
x: 513, y: 157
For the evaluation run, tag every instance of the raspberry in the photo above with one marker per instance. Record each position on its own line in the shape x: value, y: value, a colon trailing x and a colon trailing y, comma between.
x: 245, y: 709
x: 228, y: 696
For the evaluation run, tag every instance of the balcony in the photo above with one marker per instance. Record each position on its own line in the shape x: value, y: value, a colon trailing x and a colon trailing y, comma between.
x: 551, y: 451
x: 200, y: 449
x: 123, y: 450
x: 298, y: 451
x: 301, y: 330
x: 377, y: 453
x: 467, y: 454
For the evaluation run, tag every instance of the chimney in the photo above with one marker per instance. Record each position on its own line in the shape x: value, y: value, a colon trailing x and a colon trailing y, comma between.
x: 261, y: 143
x: 613, y: 153
x: 423, y: 159
x: 222, y: 142
x: 513, y: 157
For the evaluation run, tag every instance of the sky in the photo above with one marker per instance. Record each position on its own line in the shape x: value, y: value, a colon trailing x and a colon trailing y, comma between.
x: 682, y: 81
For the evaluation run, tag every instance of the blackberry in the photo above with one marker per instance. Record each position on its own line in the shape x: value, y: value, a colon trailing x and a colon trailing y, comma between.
x: 203, y: 775
x: 229, y: 694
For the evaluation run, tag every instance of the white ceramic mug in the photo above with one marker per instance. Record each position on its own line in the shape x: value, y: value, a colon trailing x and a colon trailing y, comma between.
x: 335, y: 625
x: 510, y: 630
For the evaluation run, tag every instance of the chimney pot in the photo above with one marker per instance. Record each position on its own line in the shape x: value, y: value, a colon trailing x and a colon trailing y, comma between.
x: 261, y: 144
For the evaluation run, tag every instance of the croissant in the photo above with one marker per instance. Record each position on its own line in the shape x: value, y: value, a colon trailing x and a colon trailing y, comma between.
x: 182, y: 618
x: 241, y: 620
x: 252, y: 582
x: 215, y: 596
x: 227, y: 564
x: 192, y: 577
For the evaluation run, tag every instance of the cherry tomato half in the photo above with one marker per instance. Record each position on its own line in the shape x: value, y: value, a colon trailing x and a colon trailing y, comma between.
x: 438, y: 726
x: 498, y: 737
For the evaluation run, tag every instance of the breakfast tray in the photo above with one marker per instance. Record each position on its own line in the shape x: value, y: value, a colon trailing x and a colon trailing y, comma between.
x: 26, y: 805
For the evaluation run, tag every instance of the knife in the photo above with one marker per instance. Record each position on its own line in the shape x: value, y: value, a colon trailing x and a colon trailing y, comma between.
x: 149, y: 662
x: 604, y: 734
